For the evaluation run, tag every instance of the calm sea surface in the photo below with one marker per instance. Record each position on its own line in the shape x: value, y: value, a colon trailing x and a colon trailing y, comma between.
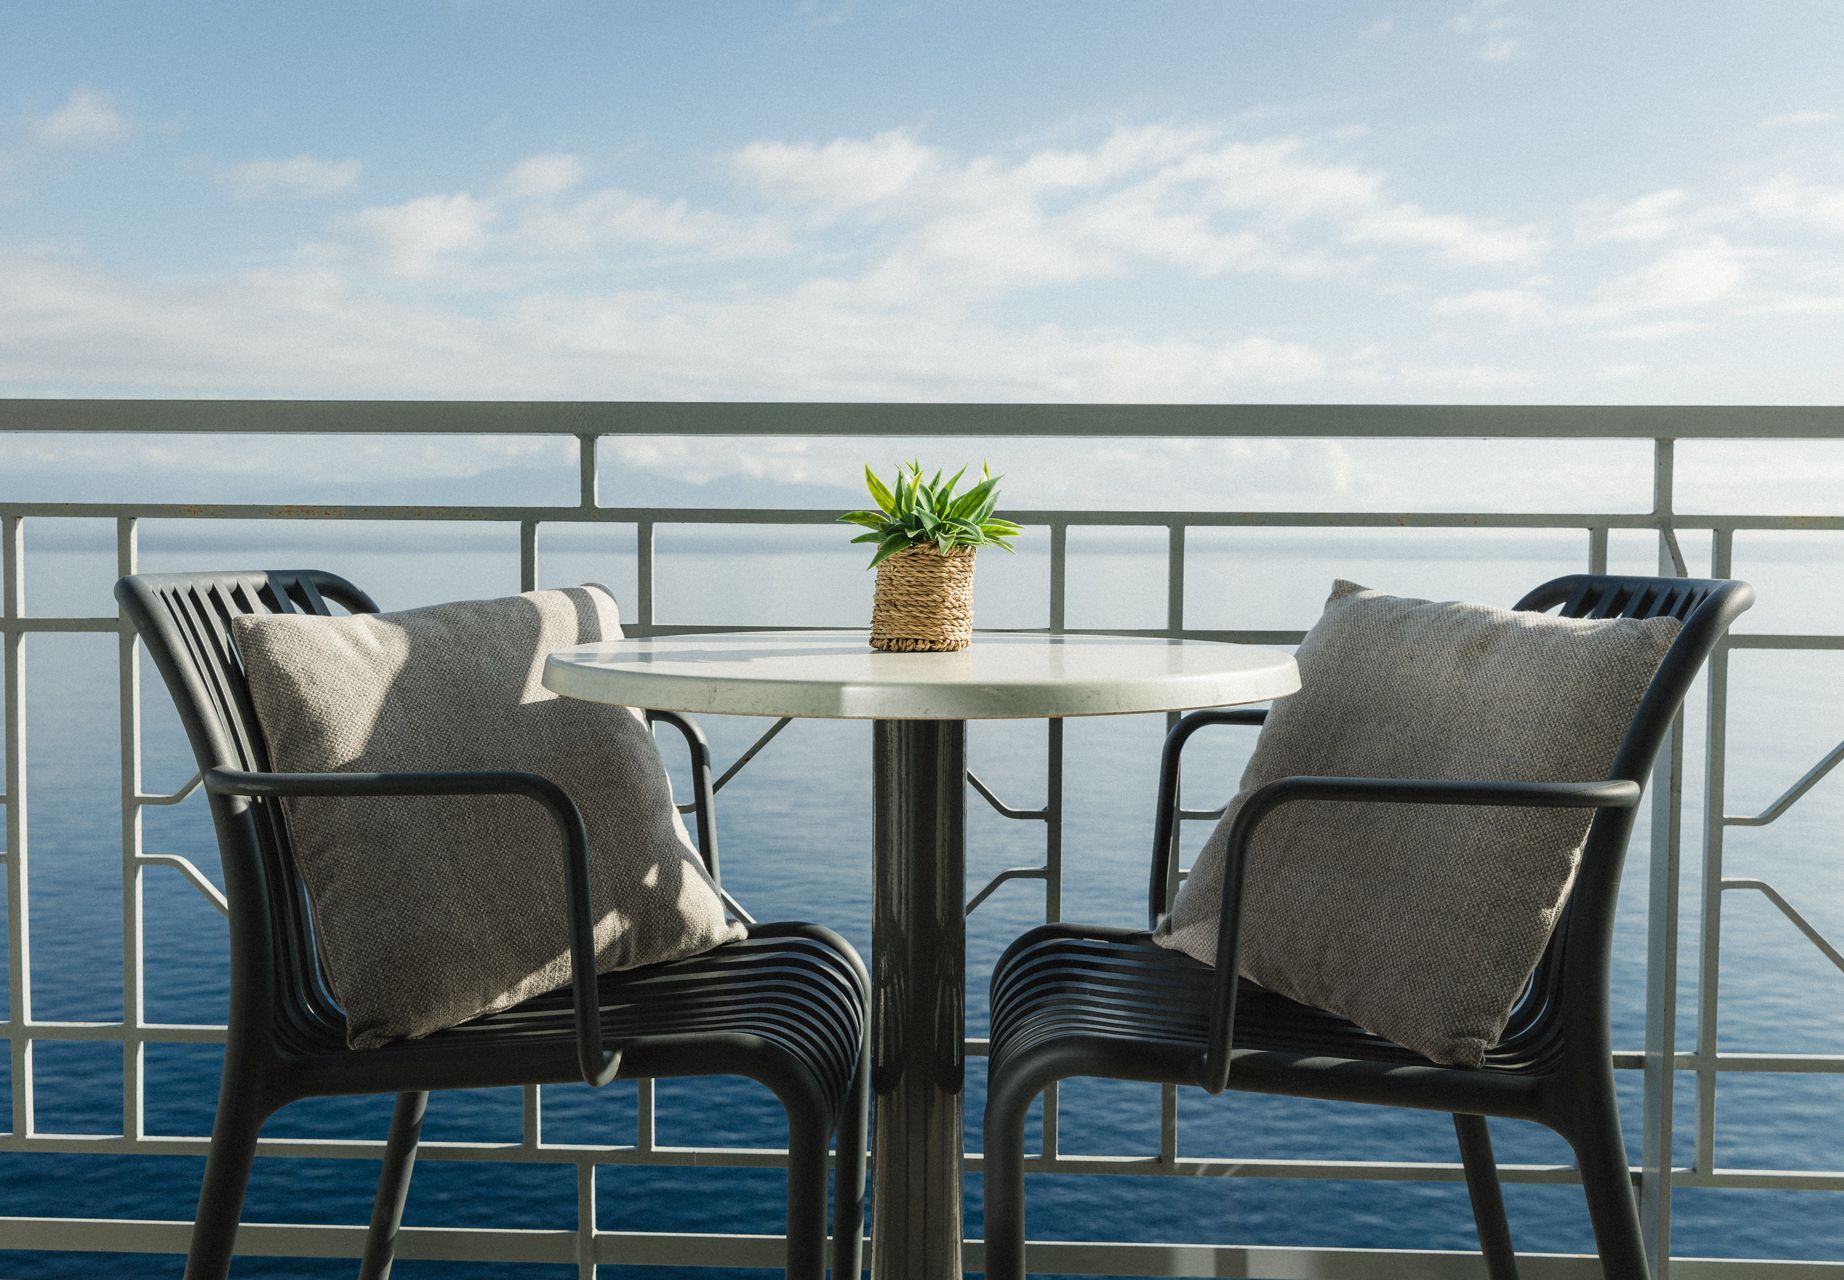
x: 795, y: 834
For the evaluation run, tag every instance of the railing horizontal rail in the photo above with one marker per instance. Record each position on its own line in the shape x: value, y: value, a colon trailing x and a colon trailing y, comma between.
x: 710, y: 1249
x: 792, y: 418
x: 1135, y: 519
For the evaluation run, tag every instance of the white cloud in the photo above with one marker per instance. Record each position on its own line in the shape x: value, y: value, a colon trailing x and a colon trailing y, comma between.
x: 844, y: 174
x: 817, y: 14
x: 88, y: 116
x: 1273, y: 178
x: 1449, y: 235
x: 1649, y: 217
x: 1655, y: 330
x: 1803, y: 119
x: 529, y: 227
x: 420, y: 236
x: 1796, y: 303
x: 1694, y: 276
x: 1520, y: 304
x: 613, y: 217
x: 1685, y: 279
x: 1796, y: 200
x: 542, y: 177
x: 1495, y: 35
x: 302, y: 176
x: 1471, y: 378
x: 1378, y: 29
x: 1377, y: 371
x: 1265, y: 360
x: 1625, y: 371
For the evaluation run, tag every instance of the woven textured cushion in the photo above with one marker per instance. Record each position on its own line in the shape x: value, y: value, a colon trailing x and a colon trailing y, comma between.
x: 428, y: 910
x: 1422, y: 923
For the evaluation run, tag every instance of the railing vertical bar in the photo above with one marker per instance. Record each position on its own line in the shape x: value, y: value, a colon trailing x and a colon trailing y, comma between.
x: 645, y: 1133
x: 1059, y: 576
x: 1052, y: 1112
x: 128, y: 696
x: 531, y: 1116
x: 1597, y: 548
x: 643, y: 578
x: 587, y: 477
x: 1664, y: 486
x: 1715, y: 784
x: 1662, y: 931
x: 585, y: 1220
x: 1053, y: 766
x: 1175, y: 580
x: 1053, y: 824
x: 528, y: 555
x: 1168, y: 1124
x: 18, y: 934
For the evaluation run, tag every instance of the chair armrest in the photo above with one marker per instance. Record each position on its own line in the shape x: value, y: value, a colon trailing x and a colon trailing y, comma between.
x: 1605, y: 794
x: 597, y: 1063
x: 1165, y: 819
x: 704, y: 793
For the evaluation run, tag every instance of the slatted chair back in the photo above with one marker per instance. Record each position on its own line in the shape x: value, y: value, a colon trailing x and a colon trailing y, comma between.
x: 184, y: 619
x: 1572, y: 978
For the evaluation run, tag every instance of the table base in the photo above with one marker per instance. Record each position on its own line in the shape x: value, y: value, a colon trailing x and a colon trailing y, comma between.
x: 919, y: 980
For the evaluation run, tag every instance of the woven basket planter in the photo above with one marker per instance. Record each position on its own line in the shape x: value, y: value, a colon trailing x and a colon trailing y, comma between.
x: 924, y: 601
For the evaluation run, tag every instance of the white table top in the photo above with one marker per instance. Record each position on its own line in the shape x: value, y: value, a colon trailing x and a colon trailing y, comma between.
x: 837, y: 675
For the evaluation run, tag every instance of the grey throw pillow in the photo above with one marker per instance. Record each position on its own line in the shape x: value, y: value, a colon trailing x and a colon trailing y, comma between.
x: 430, y: 911
x: 1421, y: 923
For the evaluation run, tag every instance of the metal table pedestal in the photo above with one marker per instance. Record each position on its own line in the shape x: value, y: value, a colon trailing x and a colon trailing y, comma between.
x: 919, y: 978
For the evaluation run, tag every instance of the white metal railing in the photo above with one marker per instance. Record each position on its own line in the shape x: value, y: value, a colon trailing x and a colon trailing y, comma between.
x: 1657, y: 1059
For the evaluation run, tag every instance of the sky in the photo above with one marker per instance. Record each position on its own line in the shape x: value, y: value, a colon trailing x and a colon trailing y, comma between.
x: 1453, y: 201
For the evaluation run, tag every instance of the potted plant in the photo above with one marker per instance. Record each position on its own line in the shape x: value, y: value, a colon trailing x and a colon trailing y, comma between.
x: 927, y: 536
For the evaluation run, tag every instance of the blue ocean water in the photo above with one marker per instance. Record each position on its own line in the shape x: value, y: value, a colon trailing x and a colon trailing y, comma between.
x: 795, y: 834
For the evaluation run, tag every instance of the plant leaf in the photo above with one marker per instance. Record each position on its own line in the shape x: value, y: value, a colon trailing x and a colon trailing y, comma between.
x: 970, y: 501
x: 880, y: 492
x: 873, y: 536
x: 889, y: 547
x: 948, y: 492
x: 869, y: 519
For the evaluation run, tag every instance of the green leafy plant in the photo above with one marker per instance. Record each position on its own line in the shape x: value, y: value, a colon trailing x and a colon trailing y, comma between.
x: 914, y: 512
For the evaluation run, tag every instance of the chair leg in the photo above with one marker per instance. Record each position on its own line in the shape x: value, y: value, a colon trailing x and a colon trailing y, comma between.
x: 393, y: 1186
x: 848, y: 1178
x: 808, y: 1135
x: 1007, y: 1101
x: 1600, y: 1154
x: 227, y: 1176
x: 1488, y: 1201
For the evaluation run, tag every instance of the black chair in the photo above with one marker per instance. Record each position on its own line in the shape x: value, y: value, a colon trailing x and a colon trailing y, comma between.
x: 785, y: 1006
x: 1073, y: 1000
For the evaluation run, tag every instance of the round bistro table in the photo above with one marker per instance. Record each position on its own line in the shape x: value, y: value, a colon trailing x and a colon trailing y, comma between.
x: 920, y: 703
